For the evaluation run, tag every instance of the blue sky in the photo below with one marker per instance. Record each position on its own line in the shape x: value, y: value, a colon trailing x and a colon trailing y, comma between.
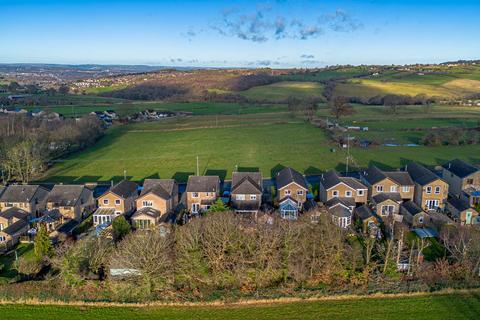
x: 277, y: 33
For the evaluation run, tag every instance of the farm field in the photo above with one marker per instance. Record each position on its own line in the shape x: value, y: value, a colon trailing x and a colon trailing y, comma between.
x: 265, y: 141
x: 431, y: 307
x: 439, y: 86
x: 281, y: 91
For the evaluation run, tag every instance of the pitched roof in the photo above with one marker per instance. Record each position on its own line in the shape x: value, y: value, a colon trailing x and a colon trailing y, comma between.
x: 247, y: 183
x: 15, y: 212
x: 102, y: 211
x: 411, y: 207
x: 458, y: 203
x: 15, y: 227
x: 400, y: 177
x: 332, y: 178
x: 384, y: 196
x: 340, y: 211
x: 124, y: 189
x: 203, y: 184
x: 20, y: 193
x: 65, y: 195
x: 460, y: 168
x: 374, y: 175
x: 420, y: 174
x: 363, y: 212
x: 147, y: 211
x: 289, y: 175
x: 353, y: 183
x: 161, y: 187
x: 348, y: 202
x: 287, y: 199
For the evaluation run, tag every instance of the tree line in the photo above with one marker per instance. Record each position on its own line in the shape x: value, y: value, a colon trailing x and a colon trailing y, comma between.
x: 223, y: 253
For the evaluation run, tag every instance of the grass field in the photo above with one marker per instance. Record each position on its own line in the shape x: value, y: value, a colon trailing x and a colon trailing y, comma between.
x: 281, y: 91
x: 265, y: 141
x: 436, y: 86
x: 429, y: 307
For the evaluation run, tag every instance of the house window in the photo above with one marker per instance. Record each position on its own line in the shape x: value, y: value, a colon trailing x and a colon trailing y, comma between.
x: 420, y: 219
x: 360, y: 192
x: 240, y: 197
x: 142, y: 224
x: 253, y: 197
x: 348, y: 194
x: 379, y: 188
x: 117, y: 202
x: 469, y: 181
x: 1, y: 226
x: 300, y: 192
x: 105, y: 201
x: 437, y: 190
x: 2, y: 239
x: 194, y: 194
x: 195, y: 207
x: 387, y: 210
x: 406, y: 188
x: 289, y: 214
x: 207, y: 207
x: 429, y: 190
x: 287, y: 192
x: 335, y: 193
x: 393, y: 188
x: 147, y: 203
x: 432, y: 204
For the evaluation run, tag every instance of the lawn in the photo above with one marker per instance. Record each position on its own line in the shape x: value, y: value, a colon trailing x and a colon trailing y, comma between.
x: 7, y: 260
x: 169, y: 149
x: 429, y: 307
x: 281, y: 91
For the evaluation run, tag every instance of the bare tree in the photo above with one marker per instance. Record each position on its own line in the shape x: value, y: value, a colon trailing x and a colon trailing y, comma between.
x: 340, y: 107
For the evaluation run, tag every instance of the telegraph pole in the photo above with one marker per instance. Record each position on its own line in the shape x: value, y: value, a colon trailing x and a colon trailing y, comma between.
x: 197, y: 167
x: 348, y: 152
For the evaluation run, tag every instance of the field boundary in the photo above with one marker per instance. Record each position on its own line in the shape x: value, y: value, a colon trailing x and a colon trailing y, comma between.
x: 240, y: 303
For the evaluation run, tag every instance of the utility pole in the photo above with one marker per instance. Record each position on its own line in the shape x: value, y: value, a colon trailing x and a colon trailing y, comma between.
x: 124, y: 174
x: 197, y: 167
x: 348, y: 152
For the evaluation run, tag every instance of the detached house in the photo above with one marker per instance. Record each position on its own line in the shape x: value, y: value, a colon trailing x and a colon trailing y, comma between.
x: 202, y: 192
x: 14, y: 223
x: 379, y: 181
x: 156, y: 202
x: 71, y: 201
x: 463, y: 180
x: 246, y: 192
x: 292, y: 192
x: 120, y: 199
x: 27, y: 197
x: 431, y: 192
x: 334, y: 186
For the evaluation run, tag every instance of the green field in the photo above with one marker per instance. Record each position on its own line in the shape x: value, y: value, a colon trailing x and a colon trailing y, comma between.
x: 430, y: 307
x: 266, y: 141
x: 281, y: 91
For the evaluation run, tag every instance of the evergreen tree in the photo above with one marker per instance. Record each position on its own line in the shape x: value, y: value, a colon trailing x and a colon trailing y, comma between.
x: 120, y: 228
x: 43, y: 246
x: 218, y: 206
